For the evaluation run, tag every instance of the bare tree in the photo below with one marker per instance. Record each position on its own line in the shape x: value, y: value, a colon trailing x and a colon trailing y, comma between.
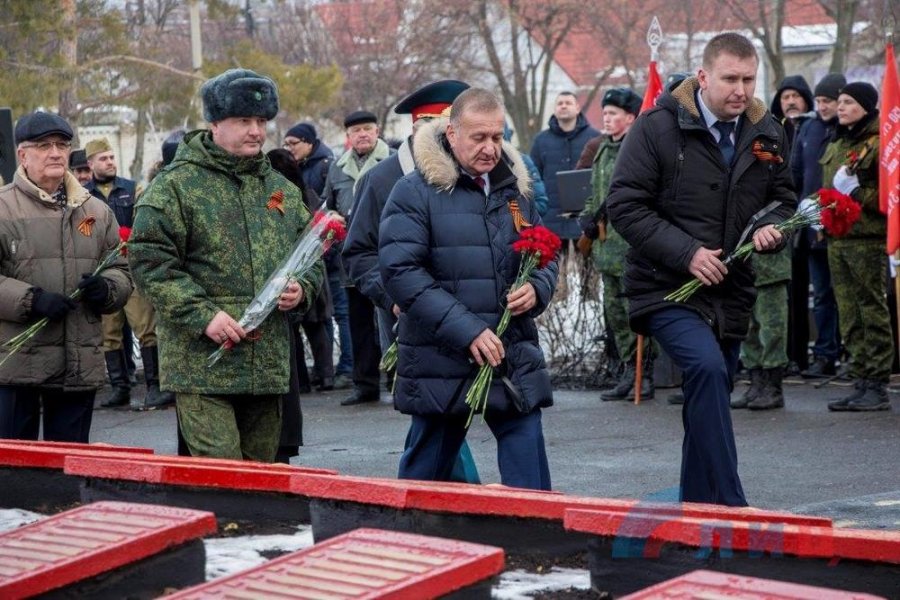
x: 765, y: 20
x: 844, y: 14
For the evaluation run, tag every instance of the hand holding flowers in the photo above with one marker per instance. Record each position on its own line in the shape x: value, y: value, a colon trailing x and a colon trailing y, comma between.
x: 282, y: 289
x: 836, y: 212
x: 538, y: 247
x: 18, y: 342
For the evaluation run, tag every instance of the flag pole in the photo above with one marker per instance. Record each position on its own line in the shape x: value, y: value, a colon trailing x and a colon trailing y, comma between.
x: 654, y: 39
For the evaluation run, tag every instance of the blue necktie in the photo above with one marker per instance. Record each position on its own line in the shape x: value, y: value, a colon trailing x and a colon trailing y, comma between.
x: 726, y: 146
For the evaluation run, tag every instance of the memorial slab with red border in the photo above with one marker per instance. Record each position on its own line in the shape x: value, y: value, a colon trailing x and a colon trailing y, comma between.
x: 31, y: 473
x: 514, y: 502
x: 708, y: 584
x: 366, y: 564
x: 74, y: 546
x: 190, y: 471
x: 630, y: 551
x: 521, y: 521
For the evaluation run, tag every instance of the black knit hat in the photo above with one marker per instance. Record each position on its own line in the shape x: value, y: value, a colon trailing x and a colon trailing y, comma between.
x: 303, y: 131
x: 239, y: 93
x: 864, y: 93
x: 830, y: 86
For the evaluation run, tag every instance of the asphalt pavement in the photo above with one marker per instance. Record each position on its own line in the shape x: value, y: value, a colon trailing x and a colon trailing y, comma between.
x: 803, y: 457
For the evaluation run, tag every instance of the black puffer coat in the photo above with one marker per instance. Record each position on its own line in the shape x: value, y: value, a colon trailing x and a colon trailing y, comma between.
x: 446, y: 259
x: 672, y: 193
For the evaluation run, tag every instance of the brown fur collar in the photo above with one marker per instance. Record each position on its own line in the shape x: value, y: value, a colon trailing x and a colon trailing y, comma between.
x: 440, y: 169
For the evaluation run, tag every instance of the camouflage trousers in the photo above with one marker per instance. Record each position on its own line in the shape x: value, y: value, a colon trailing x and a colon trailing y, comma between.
x: 766, y: 343
x: 230, y: 426
x: 858, y: 273
x: 615, y: 310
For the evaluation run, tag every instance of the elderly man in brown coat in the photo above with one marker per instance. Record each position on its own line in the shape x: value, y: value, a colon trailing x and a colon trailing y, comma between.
x: 53, y: 236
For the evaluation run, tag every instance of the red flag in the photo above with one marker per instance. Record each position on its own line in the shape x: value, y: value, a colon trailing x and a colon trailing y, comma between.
x: 654, y: 87
x: 889, y: 158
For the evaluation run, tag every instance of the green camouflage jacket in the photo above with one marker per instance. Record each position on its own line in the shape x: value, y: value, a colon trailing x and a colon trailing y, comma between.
x: 772, y: 268
x: 206, y: 238
x: 872, y: 223
x: 609, y: 256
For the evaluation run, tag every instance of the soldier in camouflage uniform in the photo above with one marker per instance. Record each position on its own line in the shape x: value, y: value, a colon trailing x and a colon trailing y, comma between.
x: 210, y: 229
x: 857, y: 259
x: 620, y: 107
x: 764, y: 351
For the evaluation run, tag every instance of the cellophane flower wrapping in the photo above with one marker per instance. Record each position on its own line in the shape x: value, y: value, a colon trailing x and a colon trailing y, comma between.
x: 318, y: 236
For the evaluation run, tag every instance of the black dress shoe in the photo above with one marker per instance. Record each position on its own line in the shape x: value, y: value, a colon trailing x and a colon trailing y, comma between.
x: 360, y: 397
x: 676, y: 398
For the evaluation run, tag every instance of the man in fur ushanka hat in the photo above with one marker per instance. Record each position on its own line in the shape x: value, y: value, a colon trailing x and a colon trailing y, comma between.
x: 210, y: 229
x: 446, y: 260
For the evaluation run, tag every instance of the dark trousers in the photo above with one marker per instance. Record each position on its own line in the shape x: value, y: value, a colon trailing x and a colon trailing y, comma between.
x: 825, y: 311
x: 342, y: 318
x: 67, y: 415
x: 322, y: 347
x: 798, y: 308
x: 435, y: 441
x: 364, y: 338
x: 291, y: 414
x: 709, y: 457
x: 386, y: 333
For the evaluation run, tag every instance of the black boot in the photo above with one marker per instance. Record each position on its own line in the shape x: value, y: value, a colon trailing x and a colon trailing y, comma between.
x: 859, y: 390
x: 757, y: 383
x: 624, y: 388
x: 771, y: 395
x: 874, y: 398
x: 154, y: 398
x: 118, y: 379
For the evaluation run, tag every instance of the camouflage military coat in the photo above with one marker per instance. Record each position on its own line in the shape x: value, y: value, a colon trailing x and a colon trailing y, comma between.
x: 609, y: 256
x: 208, y: 232
x: 862, y: 140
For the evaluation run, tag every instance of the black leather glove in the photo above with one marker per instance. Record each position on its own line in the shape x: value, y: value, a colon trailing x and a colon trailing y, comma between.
x: 94, y: 291
x: 50, y: 304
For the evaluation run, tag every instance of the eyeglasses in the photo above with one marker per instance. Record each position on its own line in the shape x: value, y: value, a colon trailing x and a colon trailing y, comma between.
x: 287, y: 145
x: 45, y: 146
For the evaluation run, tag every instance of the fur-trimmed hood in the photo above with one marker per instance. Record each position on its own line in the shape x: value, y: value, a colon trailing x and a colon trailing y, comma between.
x: 439, y: 167
x: 684, y: 96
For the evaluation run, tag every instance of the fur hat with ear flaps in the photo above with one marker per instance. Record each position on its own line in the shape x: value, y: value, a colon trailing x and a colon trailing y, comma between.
x: 239, y: 93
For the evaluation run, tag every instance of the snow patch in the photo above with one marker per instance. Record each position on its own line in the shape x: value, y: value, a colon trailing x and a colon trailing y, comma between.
x: 11, y: 518
x: 225, y: 556
x: 521, y: 585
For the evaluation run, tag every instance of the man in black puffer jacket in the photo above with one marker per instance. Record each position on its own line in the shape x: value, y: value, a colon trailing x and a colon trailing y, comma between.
x: 694, y: 175
x: 446, y: 259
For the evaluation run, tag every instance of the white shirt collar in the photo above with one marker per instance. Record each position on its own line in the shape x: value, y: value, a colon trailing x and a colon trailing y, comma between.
x: 710, y: 119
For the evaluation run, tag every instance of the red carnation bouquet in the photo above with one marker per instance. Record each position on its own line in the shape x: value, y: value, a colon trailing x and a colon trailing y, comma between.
x: 838, y: 212
x: 538, y: 247
x: 323, y: 231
